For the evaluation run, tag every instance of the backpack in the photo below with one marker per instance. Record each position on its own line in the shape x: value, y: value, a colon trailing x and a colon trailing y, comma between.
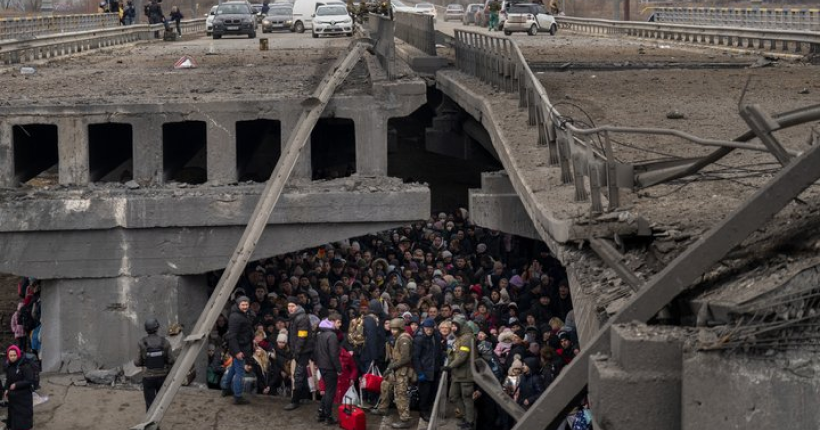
x: 26, y: 318
x: 35, y: 370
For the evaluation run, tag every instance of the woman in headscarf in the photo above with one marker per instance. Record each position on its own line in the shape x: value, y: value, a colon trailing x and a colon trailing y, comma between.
x: 18, y: 389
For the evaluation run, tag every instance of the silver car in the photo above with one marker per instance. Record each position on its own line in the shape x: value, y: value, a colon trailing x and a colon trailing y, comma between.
x: 279, y: 17
x: 454, y: 12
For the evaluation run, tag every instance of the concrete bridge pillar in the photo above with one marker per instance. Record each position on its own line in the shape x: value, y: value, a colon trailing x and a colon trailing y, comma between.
x: 72, y: 138
x: 6, y: 156
x: 148, y: 151
x: 221, y: 155
x: 371, y: 142
x: 97, y: 322
x: 303, y: 169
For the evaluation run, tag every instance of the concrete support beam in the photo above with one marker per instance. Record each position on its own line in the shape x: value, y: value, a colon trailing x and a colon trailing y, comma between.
x: 644, y: 368
x: 6, y: 156
x: 88, y: 323
x: 303, y: 168
x: 147, y: 141
x: 221, y: 152
x: 72, y: 138
x: 495, y: 205
x: 371, y: 142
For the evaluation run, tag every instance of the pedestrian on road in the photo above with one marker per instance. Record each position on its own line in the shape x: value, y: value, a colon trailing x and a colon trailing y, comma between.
x: 329, y: 364
x: 427, y: 359
x: 17, y: 391
x: 155, y: 356
x: 176, y: 17
x: 240, y: 345
x: 399, y: 375
x: 300, y: 339
x: 461, y: 387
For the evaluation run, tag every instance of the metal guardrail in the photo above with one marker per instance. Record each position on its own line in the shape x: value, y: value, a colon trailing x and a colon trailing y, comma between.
x: 764, y: 18
x: 782, y: 41
x: 29, y: 27
x: 418, y: 30
x: 56, y: 45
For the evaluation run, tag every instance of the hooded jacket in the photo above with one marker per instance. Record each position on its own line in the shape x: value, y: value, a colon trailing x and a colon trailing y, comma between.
x: 374, y: 336
x: 326, y: 354
x: 240, y: 333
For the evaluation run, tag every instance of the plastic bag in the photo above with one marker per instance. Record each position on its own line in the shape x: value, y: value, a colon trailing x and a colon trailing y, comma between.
x: 352, y: 397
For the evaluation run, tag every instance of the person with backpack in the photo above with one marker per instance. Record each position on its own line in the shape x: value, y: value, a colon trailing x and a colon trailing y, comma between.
x: 17, y: 390
x: 155, y: 356
x: 301, y: 340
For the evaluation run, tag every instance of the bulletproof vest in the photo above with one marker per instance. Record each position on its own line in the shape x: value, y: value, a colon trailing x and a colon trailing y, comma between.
x: 155, y: 353
x: 396, y: 352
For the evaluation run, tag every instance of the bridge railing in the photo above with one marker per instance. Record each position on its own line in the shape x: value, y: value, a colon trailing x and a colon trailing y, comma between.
x: 381, y: 30
x: 775, y: 41
x: 418, y: 30
x: 29, y: 27
x: 761, y: 18
x: 60, y: 44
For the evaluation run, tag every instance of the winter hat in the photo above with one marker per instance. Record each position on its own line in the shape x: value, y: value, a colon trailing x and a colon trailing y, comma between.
x: 446, y: 254
x: 241, y: 299
x: 428, y: 322
x: 282, y: 337
x: 293, y: 299
x: 437, y: 272
x: 481, y: 248
x: 533, y: 364
x: 476, y: 289
x: 15, y: 349
x: 517, y: 281
x: 327, y: 324
x: 411, y: 286
x: 516, y: 365
x: 505, y: 296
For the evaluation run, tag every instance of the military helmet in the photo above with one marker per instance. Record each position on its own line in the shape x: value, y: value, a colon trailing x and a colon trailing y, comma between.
x: 460, y: 320
x: 397, y: 323
x: 152, y: 325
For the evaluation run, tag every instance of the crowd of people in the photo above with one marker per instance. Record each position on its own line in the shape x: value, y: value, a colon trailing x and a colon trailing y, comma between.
x: 22, y: 364
x: 406, y: 305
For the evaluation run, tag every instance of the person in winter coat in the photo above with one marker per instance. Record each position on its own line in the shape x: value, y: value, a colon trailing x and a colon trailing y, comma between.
x: 375, y: 338
x: 529, y: 384
x: 18, y: 329
x: 330, y: 366
x: 176, y: 17
x: 262, y: 369
x: 349, y: 374
x: 300, y: 340
x: 18, y: 388
x: 427, y: 359
x: 240, y: 344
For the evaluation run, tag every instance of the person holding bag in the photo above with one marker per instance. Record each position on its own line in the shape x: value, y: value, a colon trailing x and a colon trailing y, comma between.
x: 330, y: 367
x: 18, y: 389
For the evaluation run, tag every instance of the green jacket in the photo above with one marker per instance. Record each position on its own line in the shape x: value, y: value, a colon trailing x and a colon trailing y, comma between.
x: 460, y: 358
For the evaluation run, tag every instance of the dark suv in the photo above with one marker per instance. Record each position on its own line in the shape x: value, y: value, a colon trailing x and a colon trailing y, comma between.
x: 234, y: 17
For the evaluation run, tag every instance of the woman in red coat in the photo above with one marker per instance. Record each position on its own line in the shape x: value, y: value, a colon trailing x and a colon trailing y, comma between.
x: 349, y: 371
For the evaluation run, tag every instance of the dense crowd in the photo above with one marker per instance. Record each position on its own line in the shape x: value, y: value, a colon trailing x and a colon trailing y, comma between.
x: 408, y: 305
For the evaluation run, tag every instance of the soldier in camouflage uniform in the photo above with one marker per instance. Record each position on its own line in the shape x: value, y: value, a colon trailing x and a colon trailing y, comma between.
x: 461, y: 375
x: 399, y: 375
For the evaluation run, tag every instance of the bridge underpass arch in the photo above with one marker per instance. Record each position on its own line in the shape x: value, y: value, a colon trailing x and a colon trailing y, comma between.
x: 110, y: 152
x: 184, y: 151
x: 258, y: 148
x: 333, y: 148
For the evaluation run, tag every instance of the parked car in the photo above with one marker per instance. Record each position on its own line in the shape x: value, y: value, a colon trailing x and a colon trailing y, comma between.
x: 279, y: 17
x: 453, y: 12
x: 209, y: 21
x: 332, y: 19
x: 530, y: 18
x: 234, y: 18
x: 471, y: 12
x: 303, y: 11
x: 398, y: 6
x: 426, y: 8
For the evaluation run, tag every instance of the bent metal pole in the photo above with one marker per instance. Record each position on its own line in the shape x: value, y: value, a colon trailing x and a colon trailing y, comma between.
x: 313, y: 107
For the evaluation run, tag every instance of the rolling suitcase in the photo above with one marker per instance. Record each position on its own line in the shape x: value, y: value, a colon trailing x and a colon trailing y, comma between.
x: 352, y: 417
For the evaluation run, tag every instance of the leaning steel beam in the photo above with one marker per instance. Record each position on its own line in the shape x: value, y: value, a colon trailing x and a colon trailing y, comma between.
x: 682, y: 272
x: 614, y: 259
x: 313, y: 108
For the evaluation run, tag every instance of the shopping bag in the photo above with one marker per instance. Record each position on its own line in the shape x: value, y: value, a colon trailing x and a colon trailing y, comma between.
x: 352, y: 397
x: 372, y: 379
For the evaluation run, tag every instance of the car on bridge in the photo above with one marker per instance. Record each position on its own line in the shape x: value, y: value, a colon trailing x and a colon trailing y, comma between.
x: 209, y: 21
x: 234, y: 18
x: 454, y: 12
x: 530, y: 18
x: 472, y: 12
x: 331, y: 20
x: 279, y: 17
x: 398, y: 6
x: 426, y: 9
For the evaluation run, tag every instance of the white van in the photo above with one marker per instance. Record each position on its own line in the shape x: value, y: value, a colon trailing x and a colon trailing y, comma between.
x: 303, y: 11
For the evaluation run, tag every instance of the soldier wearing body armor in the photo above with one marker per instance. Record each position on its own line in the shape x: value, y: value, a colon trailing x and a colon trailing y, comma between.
x: 155, y: 356
x: 461, y: 375
x: 399, y: 375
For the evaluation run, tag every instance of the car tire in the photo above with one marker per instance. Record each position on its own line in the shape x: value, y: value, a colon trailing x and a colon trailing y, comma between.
x: 315, y: 36
x: 217, y: 36
x: 507, y: 32
x: 252, y: 35
x: 349, y: 35
x: 299, y: 27
x: 553, y: 30
x: 533, y: 30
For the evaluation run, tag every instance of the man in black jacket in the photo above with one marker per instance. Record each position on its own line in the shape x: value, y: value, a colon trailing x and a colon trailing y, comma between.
x: 427, y: 359
x: 240, y: 345
x: 327, y: 360
x: 155, y: 356
x: 301, y: 340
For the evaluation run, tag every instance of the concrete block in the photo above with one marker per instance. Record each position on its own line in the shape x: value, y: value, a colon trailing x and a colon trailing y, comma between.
x: 640, y: 347
x: 503, y: 212
x: 736, y: 392
x: 103, y: 376
x: 6, y: 156
x: 131, y: 373
x: 496, y: 183
x: 72, y: 146
x: 631, y: 400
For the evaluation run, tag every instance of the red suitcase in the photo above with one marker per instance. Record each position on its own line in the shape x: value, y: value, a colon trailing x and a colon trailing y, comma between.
x: 352, y: 418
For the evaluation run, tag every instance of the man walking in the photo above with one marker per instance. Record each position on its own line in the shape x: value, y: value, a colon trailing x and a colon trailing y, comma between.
x: 240, y: 345
x: 427, y: 359
x: 461, y: 385
x: 300, y: 339
x: 327, y: 360
x: 399, y: 375
x: 155, y: 356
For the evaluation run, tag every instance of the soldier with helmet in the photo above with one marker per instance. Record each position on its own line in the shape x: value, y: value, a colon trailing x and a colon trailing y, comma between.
x: 461, y: 374
x: 155, y: 356
x: 400, y: 374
